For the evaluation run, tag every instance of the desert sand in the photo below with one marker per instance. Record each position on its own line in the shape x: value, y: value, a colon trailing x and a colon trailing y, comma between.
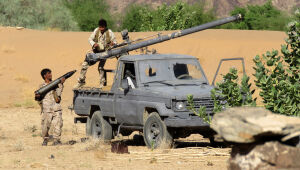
x: 24, y: 52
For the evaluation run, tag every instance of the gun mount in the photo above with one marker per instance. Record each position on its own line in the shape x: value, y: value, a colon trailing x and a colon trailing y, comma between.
x: 45, y: 89
x: 92, y: 58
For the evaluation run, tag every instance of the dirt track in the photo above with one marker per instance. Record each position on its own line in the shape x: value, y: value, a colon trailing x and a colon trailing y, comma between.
x: 20, y: 148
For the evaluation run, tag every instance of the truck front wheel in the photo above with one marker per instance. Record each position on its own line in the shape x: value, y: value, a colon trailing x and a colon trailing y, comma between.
x: 100, y: 128
x: 156, y: 134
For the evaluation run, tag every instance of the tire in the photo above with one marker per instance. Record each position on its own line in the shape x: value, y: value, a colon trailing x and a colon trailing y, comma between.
x: 156, y: 134
x: 88, y: 127
x: 100, y: 128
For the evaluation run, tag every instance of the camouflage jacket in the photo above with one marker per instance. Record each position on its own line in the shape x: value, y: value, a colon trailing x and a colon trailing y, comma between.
x: 48, y: 103
x: 102, y: 39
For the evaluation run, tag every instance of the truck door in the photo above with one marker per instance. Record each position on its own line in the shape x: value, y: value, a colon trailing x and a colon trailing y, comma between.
x: 126, y: 100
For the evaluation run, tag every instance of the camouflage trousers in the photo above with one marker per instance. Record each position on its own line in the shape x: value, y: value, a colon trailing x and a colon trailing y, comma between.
x: 52, y: 120
x: 101, y: 71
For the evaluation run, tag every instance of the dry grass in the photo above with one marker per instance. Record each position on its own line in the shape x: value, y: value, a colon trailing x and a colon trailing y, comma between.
x: 30, y: 128
x: 27, y: 99
x: 22, y: 151
x: 74, y: 129
x: 22, y: 78
x: 19, y: 146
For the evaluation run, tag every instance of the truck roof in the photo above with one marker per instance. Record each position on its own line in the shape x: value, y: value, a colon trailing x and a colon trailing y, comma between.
x: 155, y: 57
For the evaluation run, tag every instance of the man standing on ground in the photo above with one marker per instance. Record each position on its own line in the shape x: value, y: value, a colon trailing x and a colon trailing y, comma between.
x: 101, y: 40
x: 51, y: 109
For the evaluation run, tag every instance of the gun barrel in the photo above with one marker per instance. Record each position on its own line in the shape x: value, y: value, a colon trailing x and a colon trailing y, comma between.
x: 45, y: 89
x: 93, y: 58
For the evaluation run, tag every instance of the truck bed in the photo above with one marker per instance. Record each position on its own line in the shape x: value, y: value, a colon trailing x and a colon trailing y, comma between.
x: 87, y: 97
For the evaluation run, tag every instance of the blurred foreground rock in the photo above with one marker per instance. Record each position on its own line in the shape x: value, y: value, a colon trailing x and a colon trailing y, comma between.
x: 261, y: 139
x: 269, y: 155
x: 252, y: 124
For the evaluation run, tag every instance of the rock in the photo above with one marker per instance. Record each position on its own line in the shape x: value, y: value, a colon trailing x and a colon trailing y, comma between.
x: 119, y: 147
x: 19, y: 28
x: 269, y: 155
x: 252, y: 124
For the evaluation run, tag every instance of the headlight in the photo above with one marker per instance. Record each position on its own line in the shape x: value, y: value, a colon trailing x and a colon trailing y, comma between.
x: 179, y: 106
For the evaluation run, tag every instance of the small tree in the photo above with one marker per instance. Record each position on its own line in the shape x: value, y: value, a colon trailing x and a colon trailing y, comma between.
x: 278, y: 76
x: 88, y: 12
x: 231, y: 92
x: 228, y: 93
x: 259, y: 17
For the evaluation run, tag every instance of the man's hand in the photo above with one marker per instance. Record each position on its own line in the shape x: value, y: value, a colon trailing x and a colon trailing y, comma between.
x: 37, y: 97
x: 62, y: 80
x: 112, y: 44
x: 95, y: 45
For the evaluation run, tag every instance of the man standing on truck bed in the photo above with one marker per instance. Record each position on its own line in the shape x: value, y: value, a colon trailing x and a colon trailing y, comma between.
x: 51, y: 109
x: 101, y: 40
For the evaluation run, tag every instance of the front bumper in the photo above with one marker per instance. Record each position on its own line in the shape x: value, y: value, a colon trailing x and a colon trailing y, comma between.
x: 189, y: 122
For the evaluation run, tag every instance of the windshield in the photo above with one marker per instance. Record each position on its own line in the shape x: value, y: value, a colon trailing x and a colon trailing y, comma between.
x: 175, y: 70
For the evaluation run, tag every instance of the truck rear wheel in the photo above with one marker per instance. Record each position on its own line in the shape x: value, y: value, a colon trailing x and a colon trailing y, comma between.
x: 156, y: 134
x: 100, y: 128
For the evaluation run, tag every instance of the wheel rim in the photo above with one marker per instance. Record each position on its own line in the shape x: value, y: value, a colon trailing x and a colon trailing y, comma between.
x: 97, y: 128
x: 154, y: 134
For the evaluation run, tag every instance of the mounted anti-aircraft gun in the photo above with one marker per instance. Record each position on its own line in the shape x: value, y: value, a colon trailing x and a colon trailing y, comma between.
x: 149, y: 94
x: 128, y: 45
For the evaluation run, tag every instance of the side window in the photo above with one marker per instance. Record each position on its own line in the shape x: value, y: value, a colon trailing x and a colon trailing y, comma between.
x: 129, y: 71
x: 129, y: 75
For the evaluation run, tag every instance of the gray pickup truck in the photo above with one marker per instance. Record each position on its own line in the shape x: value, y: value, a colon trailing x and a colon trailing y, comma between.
x: 149, y: 94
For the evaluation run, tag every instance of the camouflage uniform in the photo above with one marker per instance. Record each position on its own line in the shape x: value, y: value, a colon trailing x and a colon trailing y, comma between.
x: 103, y: 41
x: 51, y: 113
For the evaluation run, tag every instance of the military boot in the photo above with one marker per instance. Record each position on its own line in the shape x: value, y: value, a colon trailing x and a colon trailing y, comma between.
x: 45, y: 142
x: 56, y: 142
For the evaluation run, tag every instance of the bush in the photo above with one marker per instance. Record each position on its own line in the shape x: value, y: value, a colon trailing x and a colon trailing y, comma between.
x: 278, y: 76
x: 255, y: 17
x: 36, y: 14
x: 177, y: 16
x: 228, y: 93
x: 88, y: 12
x: 233, y: 93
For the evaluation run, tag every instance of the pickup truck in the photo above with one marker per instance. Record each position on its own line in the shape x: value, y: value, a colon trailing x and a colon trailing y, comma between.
x: 149, y: 94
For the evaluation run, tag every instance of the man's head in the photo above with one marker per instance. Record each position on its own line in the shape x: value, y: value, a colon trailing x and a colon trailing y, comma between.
x: 102, y: 25
x: 46, y: 74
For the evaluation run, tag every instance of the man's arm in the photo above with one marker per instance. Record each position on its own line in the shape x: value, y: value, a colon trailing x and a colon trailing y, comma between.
x: 92, y: 37
x: 59, y: 90
x: 112, y: 37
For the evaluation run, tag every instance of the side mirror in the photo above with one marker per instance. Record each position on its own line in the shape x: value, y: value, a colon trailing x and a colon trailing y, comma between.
x: 124, y: 84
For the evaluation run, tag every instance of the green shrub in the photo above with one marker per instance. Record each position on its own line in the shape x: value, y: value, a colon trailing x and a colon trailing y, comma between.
x: 177, y: 16
x: 228, y: 93
x: 232, y: 92
x: 36, y: 14
x: 88, y: 12
x: 278, y: 76
x: 255, y: 17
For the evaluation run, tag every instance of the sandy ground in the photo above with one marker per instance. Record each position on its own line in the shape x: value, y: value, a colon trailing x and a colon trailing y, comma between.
x: 20, y: 146
x: 23, y: 53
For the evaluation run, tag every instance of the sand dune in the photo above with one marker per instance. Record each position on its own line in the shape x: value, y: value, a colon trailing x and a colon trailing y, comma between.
x: 23, y: 53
